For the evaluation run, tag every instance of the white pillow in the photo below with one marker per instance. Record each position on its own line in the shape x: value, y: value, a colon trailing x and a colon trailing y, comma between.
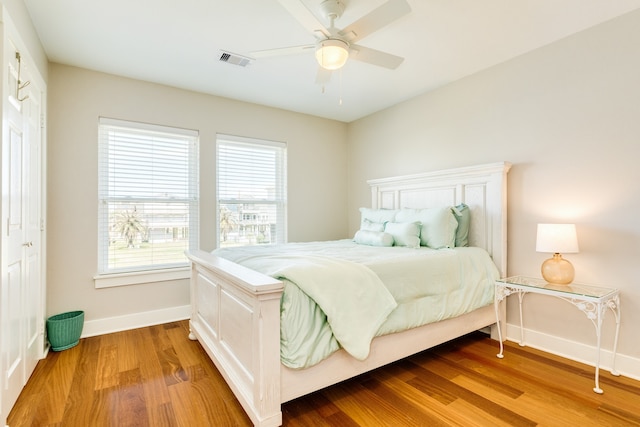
x: 371, y: 226
x: 404, y: 233
x: 438, y: 225
x: 373, y: 238
x: 379, y: 216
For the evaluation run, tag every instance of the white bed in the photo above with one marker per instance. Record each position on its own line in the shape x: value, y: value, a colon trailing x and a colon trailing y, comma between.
x: 236, y: 311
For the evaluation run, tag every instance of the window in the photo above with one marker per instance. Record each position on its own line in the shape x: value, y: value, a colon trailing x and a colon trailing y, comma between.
x: 148, y: 196
x: 251, y: 191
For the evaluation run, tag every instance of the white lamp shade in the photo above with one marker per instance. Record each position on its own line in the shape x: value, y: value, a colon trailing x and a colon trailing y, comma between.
x: 557, y: 238
x: 332, y: 54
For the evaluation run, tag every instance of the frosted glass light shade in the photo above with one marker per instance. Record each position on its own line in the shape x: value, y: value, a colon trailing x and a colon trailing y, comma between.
x: 556, y: 238
x: 332, y: 54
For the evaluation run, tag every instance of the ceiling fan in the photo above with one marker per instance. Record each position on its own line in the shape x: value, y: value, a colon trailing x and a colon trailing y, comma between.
x: 333, y: 46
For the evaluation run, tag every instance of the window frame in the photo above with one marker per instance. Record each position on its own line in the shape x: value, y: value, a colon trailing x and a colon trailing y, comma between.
x: 109, y: 277
x: 279, y: 201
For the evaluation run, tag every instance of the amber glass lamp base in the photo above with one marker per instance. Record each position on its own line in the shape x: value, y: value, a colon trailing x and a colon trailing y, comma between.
x: 558, y: 270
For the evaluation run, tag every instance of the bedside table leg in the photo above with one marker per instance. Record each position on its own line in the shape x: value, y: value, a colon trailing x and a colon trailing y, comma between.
x: 496, y: 306
x: 598, y: 325
x: 520, y: 297
x: 614, y: 305
x: 597, y: 388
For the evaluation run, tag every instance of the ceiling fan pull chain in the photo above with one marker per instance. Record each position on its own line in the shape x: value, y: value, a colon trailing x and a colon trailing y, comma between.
x: 340, y: 85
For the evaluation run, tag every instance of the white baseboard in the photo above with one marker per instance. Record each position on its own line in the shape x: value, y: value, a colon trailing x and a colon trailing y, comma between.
x: 136, y: 320
x: 625, y: 365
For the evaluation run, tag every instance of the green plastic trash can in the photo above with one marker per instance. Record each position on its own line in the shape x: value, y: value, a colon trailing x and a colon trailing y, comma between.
x: 64, y: 330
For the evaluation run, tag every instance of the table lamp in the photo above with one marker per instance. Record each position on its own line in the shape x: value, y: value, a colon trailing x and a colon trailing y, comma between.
x: 557, y: 238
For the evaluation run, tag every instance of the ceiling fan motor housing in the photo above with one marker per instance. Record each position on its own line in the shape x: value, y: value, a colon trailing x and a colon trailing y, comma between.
x: 332, y: 9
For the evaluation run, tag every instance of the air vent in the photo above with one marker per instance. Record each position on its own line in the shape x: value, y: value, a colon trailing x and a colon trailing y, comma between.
x: 234, y: 58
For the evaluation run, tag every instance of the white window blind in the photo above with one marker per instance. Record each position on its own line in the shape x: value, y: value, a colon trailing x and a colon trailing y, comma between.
x: 251, y: 191
x: 148, y: 196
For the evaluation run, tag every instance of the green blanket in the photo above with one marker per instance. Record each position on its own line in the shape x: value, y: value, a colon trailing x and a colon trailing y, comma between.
x: 355, y: 301
x: 427, y: 286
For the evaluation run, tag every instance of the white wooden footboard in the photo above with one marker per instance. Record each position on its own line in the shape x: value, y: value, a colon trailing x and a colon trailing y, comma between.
x: 236, y: 317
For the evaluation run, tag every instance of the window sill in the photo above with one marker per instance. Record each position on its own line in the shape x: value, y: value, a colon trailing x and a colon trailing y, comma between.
x: 139, y: 277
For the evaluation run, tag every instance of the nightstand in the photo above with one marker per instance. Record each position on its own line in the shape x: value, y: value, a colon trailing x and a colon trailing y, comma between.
x: 593, y: 301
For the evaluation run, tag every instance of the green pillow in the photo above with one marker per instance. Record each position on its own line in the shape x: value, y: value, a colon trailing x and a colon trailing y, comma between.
x: 438, y: 225
x: 463, y: 216
x: 373, y: 238
x: 404, y: 233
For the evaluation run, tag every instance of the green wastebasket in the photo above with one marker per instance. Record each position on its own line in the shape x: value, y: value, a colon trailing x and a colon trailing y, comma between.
x: 64, y: 330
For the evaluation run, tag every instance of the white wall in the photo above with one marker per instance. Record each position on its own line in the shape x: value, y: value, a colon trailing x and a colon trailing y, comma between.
x: 568, y: 117
x: 77, y: 97
x: 17, y: 12
x: 565, y: 115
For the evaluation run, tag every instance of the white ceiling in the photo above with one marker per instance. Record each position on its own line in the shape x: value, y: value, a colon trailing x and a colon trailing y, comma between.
x: 178, y: 43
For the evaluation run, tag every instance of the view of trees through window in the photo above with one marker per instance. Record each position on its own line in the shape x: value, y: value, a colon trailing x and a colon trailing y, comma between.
x: 143, y: 234
x: 247, y: 224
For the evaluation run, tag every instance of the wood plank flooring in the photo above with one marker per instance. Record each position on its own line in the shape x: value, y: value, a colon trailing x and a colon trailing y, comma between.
x: 156, y: 376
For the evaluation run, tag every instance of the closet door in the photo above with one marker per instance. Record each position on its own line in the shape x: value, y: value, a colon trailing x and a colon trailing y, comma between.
x: 33, y: 306
x: 21, y: 296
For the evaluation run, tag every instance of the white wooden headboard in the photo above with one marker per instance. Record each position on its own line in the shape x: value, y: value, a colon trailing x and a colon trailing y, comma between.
x: 483, y: 188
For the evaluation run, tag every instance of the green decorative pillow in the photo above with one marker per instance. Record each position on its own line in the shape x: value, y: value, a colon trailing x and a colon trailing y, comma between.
x: 438, y: 225
x: 373, y: 238
x: 404, y: 233
x: 463, y: 216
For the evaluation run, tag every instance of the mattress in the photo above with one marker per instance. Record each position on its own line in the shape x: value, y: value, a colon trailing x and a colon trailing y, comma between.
x: 339, y: 294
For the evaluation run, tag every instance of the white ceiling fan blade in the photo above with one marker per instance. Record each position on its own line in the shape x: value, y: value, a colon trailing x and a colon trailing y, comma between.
x: 376, y: 19
x: 375, y: 57
x: 292, y: 50
x: 304, y: 16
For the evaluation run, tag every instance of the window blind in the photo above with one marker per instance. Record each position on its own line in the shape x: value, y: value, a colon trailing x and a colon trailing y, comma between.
x: 148, y: 196
x: 251, y: 191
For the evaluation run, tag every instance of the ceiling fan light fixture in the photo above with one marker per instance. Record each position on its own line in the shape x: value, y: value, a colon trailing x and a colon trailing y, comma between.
x: 332, y: 54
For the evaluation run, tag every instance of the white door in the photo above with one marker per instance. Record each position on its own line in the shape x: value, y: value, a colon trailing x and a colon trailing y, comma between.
x: 21, y: 299
x: 33, y: 307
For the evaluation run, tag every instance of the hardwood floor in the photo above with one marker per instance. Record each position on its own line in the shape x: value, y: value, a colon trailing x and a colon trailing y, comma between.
x: 155, y: 376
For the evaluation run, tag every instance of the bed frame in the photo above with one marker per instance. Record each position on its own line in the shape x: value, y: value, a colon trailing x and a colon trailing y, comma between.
x: 236, y: 311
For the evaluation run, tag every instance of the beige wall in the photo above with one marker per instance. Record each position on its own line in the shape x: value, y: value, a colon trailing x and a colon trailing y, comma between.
x: 565, y: 115
x: 568, y: 117
x: 317, y: 175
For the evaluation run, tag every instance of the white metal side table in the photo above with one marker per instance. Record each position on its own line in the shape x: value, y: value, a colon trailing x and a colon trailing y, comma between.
x: 593, y: 301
